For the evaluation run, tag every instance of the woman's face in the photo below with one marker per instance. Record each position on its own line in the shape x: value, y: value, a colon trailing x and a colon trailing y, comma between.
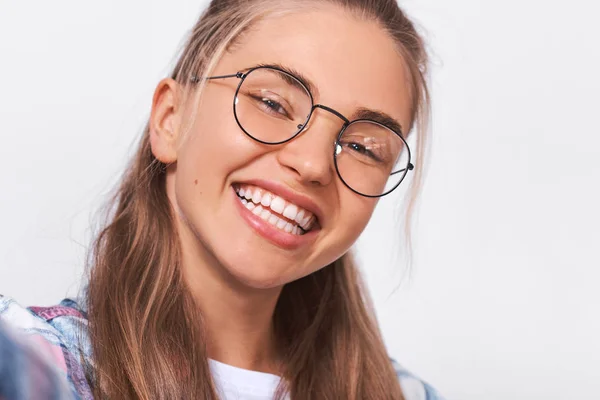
x: 353, y: 64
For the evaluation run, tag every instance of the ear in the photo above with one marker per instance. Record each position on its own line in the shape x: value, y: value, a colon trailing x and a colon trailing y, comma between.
x: 165, y: 121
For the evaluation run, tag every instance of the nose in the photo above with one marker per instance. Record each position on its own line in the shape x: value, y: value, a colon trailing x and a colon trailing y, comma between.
x: 310, y: 154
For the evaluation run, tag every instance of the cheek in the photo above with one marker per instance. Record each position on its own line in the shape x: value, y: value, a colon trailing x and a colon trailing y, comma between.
x: 351, y: 220
x: 215, y: 146
x: 355, y: 212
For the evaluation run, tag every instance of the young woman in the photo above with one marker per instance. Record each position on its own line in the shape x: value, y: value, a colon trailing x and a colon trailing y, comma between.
x: 224, y: 270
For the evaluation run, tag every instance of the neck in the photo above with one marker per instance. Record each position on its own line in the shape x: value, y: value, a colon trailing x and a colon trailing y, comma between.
x: 238, y: 320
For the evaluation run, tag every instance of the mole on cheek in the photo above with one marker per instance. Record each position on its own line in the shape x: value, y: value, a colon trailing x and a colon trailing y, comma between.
x: 196, y: 182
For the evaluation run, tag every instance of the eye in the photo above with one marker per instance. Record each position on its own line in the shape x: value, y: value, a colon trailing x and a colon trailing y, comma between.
x: 273, y: 105
x: 362, y: 150
x: 270, y: 106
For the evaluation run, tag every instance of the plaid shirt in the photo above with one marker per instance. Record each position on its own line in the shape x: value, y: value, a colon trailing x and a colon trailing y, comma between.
x: 44, y: 352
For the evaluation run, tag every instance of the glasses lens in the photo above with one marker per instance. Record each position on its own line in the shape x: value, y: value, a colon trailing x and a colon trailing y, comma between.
x: 272, y: 106
x: 371, y: 159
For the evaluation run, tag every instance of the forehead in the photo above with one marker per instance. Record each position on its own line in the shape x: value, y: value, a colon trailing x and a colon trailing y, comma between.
x: 353, y: 62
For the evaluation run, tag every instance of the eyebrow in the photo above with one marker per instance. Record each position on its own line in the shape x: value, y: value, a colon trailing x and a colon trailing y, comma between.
x: 361, y: 113
x: 380, y: 117
x: 312, y: 88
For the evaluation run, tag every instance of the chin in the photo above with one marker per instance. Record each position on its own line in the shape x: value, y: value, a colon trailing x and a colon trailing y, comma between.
x: 256, y: 281
x: 263, y: 276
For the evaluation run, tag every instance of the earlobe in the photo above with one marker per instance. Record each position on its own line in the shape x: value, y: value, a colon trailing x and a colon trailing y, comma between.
x: 165, y: 121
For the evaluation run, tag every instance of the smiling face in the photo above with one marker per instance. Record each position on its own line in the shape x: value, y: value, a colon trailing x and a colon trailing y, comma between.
x: 296, y: 215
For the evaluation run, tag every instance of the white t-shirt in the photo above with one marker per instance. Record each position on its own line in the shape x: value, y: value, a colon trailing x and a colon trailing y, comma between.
x: 235, y: 383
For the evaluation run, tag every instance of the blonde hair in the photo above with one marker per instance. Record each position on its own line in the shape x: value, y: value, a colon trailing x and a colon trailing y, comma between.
x: 147, y: 336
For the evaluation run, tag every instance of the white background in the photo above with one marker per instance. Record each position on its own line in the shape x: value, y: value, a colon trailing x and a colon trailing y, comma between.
x: 502, y: 302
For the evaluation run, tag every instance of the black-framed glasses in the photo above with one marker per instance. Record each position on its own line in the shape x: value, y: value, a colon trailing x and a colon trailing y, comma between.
x: 272, y: 106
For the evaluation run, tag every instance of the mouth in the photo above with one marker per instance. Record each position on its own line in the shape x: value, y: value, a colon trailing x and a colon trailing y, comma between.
x: 275, y: 210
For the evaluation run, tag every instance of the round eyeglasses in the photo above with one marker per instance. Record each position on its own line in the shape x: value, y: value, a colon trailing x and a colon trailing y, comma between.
x: 272, y: 106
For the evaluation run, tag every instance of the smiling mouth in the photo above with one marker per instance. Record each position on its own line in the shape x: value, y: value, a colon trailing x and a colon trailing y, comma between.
x: 280, y: 213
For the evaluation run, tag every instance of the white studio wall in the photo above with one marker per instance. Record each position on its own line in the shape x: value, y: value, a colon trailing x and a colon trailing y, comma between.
x: 501, y: 300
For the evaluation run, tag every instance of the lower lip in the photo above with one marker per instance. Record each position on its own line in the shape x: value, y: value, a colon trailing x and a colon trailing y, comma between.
x: 276, y: 236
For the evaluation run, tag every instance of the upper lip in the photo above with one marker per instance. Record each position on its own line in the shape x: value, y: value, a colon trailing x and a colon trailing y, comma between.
x: 289, y: 195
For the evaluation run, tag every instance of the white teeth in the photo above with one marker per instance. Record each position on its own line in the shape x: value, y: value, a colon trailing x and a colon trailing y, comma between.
x: 277, y: 204
x: 273, y: 219
x: 290, y: 212
x: 299, y: 217
x: 281, y: 223
x: 288, y: 227
x: 266, y: 200
x: 261, y: 203
x: 256, y: 197
x: 265, y: 214
x: 306, y: 220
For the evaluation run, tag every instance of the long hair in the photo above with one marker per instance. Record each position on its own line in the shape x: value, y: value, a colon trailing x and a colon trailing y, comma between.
x: 147, y: 333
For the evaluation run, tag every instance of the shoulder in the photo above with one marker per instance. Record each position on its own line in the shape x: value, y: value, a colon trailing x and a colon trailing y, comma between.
x: 57, y: 333
x: 413, y: 387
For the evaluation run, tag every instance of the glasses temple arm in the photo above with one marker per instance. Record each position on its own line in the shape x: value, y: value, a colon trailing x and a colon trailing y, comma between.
x: 196, y: 79
x: 410, y: 167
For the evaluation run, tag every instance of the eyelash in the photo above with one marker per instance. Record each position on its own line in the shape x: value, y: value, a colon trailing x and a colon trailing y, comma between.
x: 263, y: 101
x: 363, y: 150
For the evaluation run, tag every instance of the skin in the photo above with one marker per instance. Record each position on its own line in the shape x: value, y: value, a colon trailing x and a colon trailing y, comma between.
x: 236, y: 274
